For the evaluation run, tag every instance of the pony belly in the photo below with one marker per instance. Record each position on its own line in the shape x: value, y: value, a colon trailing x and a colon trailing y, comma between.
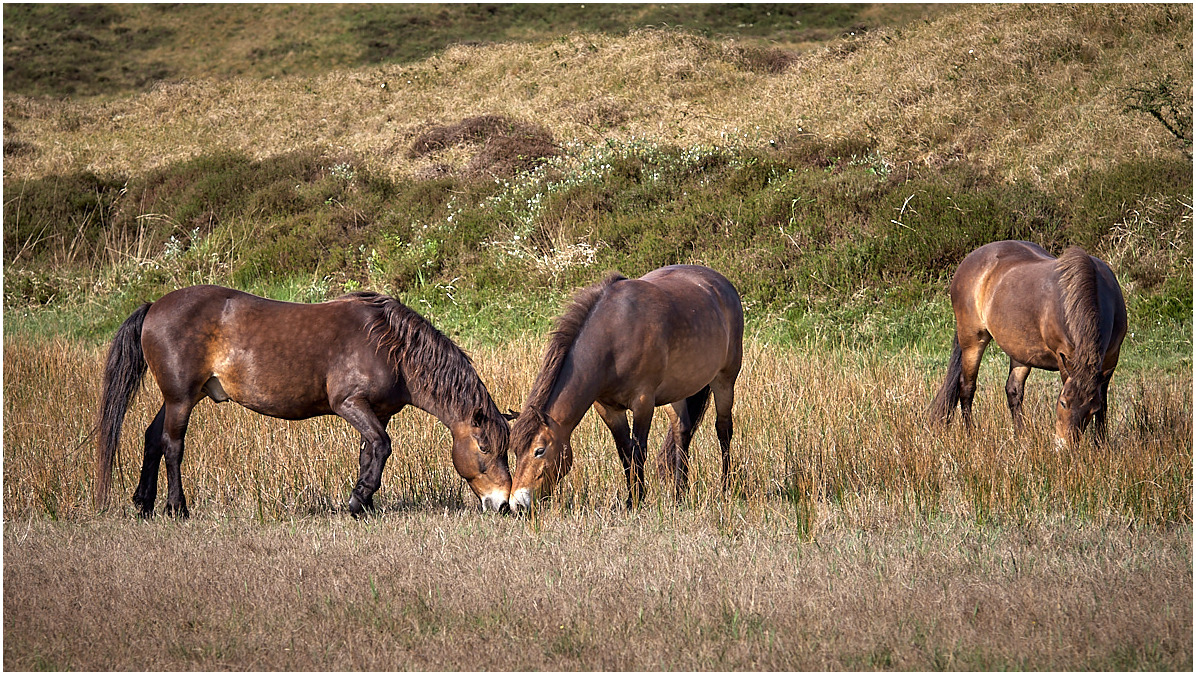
x: 287, y: 405
x: 1036, y: 356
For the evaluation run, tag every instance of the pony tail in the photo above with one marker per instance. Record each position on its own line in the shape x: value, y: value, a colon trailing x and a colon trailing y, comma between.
x: 943, y: 405
x: 123, y: 372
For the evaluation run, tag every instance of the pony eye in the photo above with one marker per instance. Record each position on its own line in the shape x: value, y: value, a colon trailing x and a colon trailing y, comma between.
x: 1063, y: 403
x: 539, y: 451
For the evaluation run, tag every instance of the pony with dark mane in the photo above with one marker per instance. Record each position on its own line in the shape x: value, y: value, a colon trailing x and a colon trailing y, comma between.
x: 671, y: 338
x: 1064, y: 314
x: 363, y: 356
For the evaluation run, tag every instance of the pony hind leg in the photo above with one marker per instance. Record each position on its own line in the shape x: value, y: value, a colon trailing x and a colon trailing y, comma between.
x: 684, y: 417
x: 1099, y: 418
x: 175, y: 417
x: 724, y: 401
x: 673, y: 459
x: 1015, y: 389
x: 947, y: 398
x: 147, y: 487
x: 971, y: 351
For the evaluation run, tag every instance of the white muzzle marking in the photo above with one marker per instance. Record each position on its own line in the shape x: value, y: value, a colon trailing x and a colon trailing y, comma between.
x: 521, y: 500
x: 494, y: 501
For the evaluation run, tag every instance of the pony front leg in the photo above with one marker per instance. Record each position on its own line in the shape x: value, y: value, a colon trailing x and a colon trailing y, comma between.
x: 620, y: 430
x: 365, y: 458
x: 374, y: 453
x: 1015, y: 389
x: 640, y: 426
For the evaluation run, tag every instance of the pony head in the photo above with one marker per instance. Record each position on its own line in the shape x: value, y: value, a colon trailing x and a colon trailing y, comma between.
x: 542, y: 457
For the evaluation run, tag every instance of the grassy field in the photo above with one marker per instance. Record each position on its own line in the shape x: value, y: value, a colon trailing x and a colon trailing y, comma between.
x: 481, y: 162
x: 430, y: 588
x: 853, y: 537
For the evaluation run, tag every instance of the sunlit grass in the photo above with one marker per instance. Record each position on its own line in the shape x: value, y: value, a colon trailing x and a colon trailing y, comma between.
x: 822, y: 439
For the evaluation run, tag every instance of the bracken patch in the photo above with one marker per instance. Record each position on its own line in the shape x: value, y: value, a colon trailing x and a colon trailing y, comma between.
x: 508, y: 145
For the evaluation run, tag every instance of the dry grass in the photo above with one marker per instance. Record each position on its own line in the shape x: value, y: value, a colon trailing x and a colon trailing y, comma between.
x: 1029, y: 92
x: 838, y: 436
x: 854, y: 538
x: 445, y: 589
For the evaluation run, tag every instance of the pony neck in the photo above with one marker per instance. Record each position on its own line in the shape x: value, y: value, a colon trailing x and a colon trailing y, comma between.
x: 575, y: 391
x: 439, y: 404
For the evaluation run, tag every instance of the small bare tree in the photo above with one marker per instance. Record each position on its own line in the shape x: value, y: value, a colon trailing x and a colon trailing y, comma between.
x: 1167, y: 102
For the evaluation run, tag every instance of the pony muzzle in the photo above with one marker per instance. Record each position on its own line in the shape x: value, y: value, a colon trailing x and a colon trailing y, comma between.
x: 521, y: 500
x: 496, y: 500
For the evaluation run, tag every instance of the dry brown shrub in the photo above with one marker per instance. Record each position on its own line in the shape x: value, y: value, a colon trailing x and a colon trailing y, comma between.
x: 508, y: 145
x: 772, y: 60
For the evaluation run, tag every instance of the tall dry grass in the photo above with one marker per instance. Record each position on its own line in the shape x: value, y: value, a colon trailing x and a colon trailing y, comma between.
x: 1030, y: 92
x: 822, y: 440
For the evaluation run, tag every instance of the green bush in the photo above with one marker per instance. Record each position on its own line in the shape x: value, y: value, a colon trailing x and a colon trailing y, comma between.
x: 805, y: 234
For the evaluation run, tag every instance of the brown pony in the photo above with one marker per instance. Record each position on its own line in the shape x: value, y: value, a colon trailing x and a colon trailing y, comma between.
x: 673, y: 336
x: 1064, y: 314
x: 363, y: 356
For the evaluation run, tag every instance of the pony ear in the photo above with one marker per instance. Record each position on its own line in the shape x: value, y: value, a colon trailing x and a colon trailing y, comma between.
x: 1063, y: 366
x: 510, y: 415
x: 479, y: 416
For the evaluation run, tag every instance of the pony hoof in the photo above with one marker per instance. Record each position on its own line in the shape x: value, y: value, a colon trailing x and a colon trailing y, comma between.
x: 358, y: 508
x: 145, y: 510
x: 179, y: 512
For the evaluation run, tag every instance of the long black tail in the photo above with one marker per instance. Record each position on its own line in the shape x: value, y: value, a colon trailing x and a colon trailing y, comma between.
x: 696, y: 407
x: 123, y: 373
x: 943, y: 405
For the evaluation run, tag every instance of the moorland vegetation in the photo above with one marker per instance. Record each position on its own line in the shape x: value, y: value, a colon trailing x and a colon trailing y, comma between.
x: 481, y: 162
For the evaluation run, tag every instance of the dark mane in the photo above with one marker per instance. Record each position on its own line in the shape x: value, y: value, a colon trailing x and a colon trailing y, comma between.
x: 434, y: 367
x: 1077, y: 279
x: 560, y: 340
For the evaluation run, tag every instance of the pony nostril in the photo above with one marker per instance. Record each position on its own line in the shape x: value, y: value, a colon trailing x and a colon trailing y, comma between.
x: 495, y: 502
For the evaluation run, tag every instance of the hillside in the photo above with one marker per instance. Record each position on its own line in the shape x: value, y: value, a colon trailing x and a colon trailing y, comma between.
x: 106, y: 50
x: 850, y: 177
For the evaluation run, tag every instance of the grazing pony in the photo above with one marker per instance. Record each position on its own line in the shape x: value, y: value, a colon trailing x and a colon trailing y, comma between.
x: 1064, y: 314
x: 363, y: 356
x: 672, y: 337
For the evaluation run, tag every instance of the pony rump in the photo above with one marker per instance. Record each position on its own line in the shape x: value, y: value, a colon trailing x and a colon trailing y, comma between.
x: 560, y: 340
